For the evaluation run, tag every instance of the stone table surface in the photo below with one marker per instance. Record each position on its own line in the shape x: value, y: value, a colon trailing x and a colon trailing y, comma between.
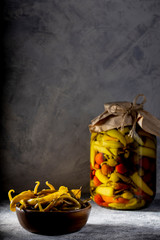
x: 102, y: 224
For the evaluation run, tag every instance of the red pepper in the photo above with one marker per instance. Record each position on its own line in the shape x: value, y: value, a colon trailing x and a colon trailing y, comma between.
x: 106, y: 169
x: 96, y: 165
x: 99, y: 158
x: 142, y: 194
x: 91, y: 175
x: 121, y: 186
x: 114, y: 200
x: 147, y: 177
x: 105, y: 204
x: 96, y: 181
x: 120, y: 168
x: 98, y: 199
x: 91, y: 166
x: 144, y: 162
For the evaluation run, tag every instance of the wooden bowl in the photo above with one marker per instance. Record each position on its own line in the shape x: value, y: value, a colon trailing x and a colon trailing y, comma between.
x: 53, y: 223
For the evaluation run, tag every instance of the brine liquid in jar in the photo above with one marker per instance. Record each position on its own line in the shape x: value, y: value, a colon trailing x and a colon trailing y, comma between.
x: 123, y: 168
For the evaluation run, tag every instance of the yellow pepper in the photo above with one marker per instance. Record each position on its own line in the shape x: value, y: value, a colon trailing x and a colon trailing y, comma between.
x: 63, y: 199
x: 126, y: 154
x: 36, y: 187
x: 106, y: 191
x: 50, y: 185
x: 127, y: 195
x: 62, y: 190
x: 124, y: 131
x: 145, y: 151
x: 101, y: 149
x: 77, y: 193
x: 48, y: 198
x: 93, y: 135
x: 23, y: 204
x: 117, y: 134
x: 102, y: 178
x: 129, y: 139
x: 111, y: 162
x: 114, y: 151
x: 9, y: 194
x: 108, y: 138
x: 141, y: 172
x: 133, y: 204
x: 92, y: 154
x: 40, y: 207
x: 149, y: 143
x: 22, y: 196
x: 141, y: 184
x: 114, y: 177
x: 112, y: 144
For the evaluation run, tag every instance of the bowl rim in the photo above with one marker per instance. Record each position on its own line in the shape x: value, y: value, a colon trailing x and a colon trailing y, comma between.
x: 58, y: 211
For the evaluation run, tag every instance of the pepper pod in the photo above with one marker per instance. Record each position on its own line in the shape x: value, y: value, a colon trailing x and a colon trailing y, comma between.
x: 123, y: 156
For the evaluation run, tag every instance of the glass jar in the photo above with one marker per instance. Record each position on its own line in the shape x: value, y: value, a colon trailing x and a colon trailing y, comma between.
x: 123, y: 168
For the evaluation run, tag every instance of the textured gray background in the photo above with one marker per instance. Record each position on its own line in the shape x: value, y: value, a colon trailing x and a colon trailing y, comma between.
x: 63, y: 61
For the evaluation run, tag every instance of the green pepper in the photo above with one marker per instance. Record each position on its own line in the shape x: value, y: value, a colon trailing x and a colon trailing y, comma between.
x: 73, y: 200
x: 50, y: 205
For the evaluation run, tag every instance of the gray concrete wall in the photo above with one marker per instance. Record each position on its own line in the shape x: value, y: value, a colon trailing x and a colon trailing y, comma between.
x: 65, y: 59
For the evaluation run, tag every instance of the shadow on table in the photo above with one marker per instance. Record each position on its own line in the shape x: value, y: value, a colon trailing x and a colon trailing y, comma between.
x: 120, y: 232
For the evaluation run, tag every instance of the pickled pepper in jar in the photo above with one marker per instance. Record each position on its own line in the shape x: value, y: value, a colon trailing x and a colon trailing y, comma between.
x: 123, y: 157
x: 123, y: 169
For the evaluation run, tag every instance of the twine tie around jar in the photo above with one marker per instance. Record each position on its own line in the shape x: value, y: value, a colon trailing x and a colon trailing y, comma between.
x: 132, y: 110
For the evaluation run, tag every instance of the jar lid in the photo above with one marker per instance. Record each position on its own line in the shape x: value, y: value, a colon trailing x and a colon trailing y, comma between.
x: 121, y: 114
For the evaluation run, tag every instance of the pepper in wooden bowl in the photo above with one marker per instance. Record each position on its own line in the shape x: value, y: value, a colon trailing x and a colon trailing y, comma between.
x: 50, y: 211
